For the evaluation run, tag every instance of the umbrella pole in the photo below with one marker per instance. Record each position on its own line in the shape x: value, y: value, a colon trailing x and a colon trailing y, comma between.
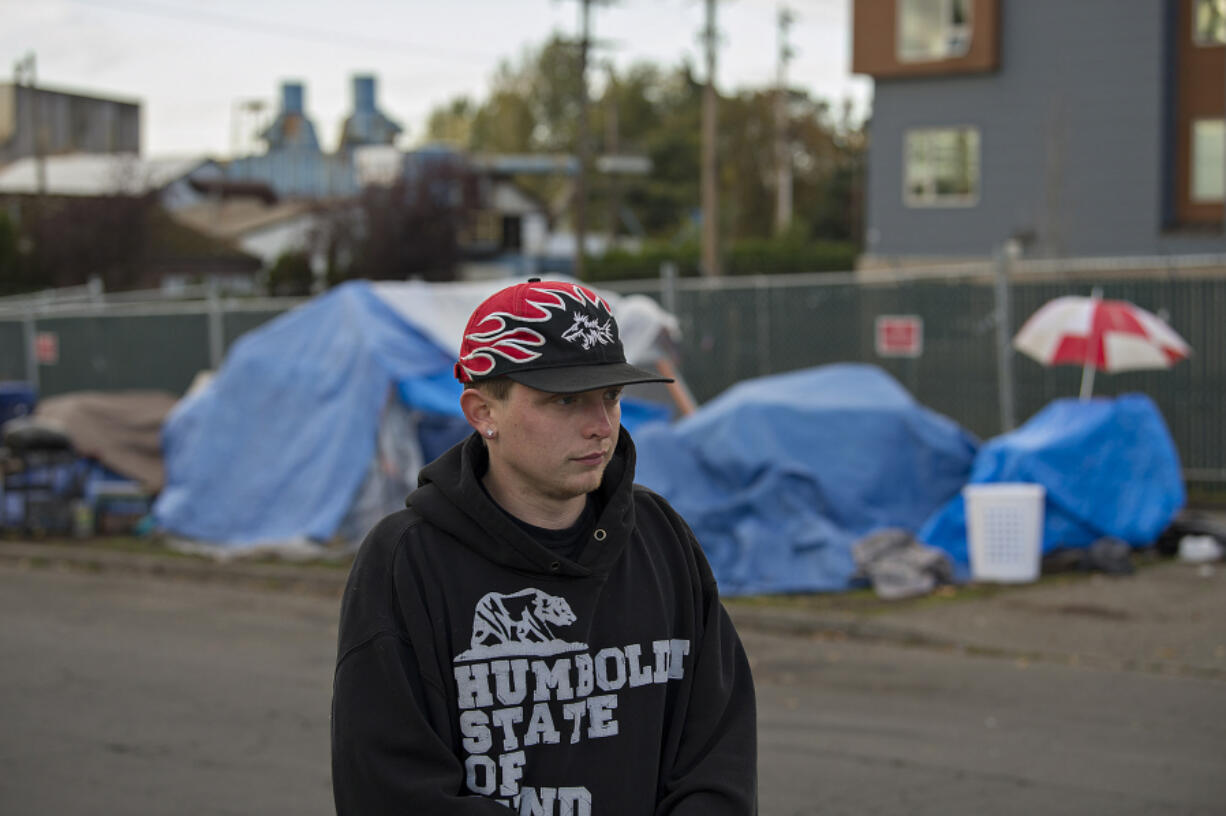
x: 1087, y: 370
x: 1087, y: 381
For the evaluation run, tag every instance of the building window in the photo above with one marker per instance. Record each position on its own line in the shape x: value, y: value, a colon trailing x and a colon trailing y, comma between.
x: 930, y: 30
x: 484, y: 229
x: 1208, y: 160
x: 512, y: 232
x: 941, y: 166
x: 1209, y: 22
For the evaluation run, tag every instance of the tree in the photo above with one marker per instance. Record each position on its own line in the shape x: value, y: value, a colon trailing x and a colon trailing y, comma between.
x: 504, y: 124
x: 65, y: 241
x: 291, y: 274
x: 665, y: 123
x: 533, y: 107
x: 14, y: 278
x: 410, y: 229
x: 452, y: 123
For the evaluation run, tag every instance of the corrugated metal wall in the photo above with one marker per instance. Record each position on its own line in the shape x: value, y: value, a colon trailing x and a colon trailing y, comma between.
x: 737, y: 328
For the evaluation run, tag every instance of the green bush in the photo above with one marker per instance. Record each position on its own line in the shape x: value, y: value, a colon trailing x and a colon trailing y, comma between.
x: 771, y: 257
x: 619, y: 264
x: 749, y: 257
x: 18, y: 274
x: 8, y: 247
x: 291, y: 274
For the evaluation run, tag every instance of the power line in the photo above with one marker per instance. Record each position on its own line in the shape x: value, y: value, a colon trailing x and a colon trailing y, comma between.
x: 279, y: 29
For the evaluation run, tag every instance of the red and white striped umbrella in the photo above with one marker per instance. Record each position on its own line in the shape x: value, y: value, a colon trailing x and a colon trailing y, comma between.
x: 1107, y: 335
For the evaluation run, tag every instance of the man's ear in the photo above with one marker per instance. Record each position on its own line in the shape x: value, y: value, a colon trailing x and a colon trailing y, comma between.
x: 476, y: 408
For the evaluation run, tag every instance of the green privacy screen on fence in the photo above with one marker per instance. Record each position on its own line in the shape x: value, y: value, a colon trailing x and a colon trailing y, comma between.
x: 737, y: 328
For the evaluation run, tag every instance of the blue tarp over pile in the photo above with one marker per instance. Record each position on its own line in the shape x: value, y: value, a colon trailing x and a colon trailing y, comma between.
x: 276, y: 447
x: 780, y: 475
x: 1109, y: 467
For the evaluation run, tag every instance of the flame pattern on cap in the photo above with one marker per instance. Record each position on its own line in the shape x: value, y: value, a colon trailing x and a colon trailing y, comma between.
x: 492, y: 337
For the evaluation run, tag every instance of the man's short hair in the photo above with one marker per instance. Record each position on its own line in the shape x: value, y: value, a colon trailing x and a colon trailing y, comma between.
x: 496, y: 388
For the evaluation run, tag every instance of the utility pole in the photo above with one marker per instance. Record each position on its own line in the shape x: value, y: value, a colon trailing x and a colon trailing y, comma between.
x: 582, y: 148
x: 710, y: 195
x: 245, y: 115
x: 783, y: 152
x: 580, y: 203
x: 26, y: 71
x: 611, y: 149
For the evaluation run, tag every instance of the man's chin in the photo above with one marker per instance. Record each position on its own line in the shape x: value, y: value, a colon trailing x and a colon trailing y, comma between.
x: 580, y: 486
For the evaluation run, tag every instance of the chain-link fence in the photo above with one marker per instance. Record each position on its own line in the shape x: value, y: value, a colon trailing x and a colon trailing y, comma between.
x: 734, y: 329
x: 737, y: 328
x: 82, y: 340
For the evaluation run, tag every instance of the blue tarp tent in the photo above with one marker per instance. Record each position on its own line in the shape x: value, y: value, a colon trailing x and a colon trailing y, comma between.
x: 280, y: 448
x: 1109, y: 467
x: 780, y: 475
x: 276, y: 447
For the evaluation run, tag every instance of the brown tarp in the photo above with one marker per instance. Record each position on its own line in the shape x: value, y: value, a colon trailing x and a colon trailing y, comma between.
x: 122, y: 429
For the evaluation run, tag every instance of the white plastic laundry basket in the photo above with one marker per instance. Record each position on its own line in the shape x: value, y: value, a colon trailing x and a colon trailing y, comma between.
x: 1004, y: 530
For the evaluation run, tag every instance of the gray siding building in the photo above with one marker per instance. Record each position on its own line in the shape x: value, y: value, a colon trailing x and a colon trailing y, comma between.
x: 68, y: 123
x: 1088, y: 128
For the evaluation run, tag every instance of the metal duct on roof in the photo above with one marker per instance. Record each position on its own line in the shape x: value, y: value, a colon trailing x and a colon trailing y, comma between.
x: 367, y: 125
x: 291, y: 130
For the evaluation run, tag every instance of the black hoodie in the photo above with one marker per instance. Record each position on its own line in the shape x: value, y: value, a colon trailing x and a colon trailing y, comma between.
x: 478, y: 669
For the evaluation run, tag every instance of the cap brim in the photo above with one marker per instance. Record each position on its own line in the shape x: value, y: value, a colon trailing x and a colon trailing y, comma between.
x: 574, y: 379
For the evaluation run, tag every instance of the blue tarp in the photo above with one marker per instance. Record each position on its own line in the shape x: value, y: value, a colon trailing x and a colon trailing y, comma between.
x: 780, y: 475
x: 276, y: 448
x: 16, y: 399
x: 1109, y: 467
x: 278, y: 444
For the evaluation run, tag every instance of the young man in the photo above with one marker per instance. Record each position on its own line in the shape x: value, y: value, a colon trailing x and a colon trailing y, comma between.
x: 534, y: 631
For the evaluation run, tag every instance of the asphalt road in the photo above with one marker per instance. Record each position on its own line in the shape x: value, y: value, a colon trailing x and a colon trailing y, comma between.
x: 138, y: 695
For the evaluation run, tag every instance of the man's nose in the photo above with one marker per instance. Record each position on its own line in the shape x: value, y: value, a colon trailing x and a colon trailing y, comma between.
x: 600, y: 419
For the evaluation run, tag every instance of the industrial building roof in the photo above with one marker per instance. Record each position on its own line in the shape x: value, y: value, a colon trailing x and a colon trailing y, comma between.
x: 95, y: 174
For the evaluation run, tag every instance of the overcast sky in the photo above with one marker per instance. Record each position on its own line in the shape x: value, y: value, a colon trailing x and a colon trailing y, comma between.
x: 191, y: 62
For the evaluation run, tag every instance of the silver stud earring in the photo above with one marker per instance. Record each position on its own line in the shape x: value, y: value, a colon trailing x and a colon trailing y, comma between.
x: 489, y: 432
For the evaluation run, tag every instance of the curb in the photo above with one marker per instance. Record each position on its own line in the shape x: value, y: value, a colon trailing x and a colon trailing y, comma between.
x: 314, y: 580
x: 838, y: 625
x: 328, y: 581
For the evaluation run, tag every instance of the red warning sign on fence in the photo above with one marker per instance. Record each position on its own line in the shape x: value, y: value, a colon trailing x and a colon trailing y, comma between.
x: 899, y: 335
x: 47, y: 348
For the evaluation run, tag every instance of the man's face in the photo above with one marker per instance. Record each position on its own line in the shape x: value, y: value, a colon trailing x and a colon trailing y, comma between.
x: 554, y: 446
